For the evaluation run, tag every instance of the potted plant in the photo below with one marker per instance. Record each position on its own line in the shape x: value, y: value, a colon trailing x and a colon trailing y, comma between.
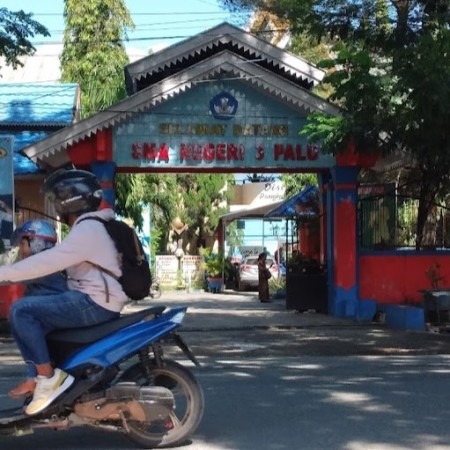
x: 277, y: 287
x: 230, y: 271
x: 213, y: 265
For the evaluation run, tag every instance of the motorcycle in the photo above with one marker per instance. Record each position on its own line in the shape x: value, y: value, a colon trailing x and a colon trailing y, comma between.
x: 123, y: 382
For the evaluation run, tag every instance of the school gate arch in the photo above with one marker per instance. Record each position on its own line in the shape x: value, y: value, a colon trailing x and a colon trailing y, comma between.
x: 223, y: 101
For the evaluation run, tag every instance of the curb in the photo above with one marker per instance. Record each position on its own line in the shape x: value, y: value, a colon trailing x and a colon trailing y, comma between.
x: 189, y: 329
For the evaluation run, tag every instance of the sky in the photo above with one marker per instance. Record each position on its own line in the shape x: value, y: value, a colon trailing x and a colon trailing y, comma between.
x: 159, y: 23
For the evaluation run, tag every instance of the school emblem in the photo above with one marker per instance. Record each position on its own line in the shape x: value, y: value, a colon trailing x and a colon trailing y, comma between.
x: 3, y: 152
x: 223, y: 106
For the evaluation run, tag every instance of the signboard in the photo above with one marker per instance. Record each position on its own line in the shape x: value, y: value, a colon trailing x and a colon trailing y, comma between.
x: 191, y: 265
x: 6, y: 189
x: 250, y: 250
x: 223, y: 125
x: 166, y: 269
x: 273, y: 192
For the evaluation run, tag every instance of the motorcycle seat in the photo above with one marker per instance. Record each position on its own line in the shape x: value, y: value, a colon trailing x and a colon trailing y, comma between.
x: 85, y: 335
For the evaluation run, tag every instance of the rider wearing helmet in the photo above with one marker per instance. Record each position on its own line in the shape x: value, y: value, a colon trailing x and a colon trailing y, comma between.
x: 93, y: 296
x: 35, y: 236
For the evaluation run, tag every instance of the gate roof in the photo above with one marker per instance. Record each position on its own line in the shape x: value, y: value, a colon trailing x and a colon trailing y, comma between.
x: 164, y: 75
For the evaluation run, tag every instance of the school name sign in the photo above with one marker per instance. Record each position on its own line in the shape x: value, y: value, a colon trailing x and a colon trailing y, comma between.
x: 226, y: 130
x: 211, y: 153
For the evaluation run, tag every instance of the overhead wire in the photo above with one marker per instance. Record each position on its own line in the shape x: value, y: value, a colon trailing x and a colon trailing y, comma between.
x: 146, y: 26
x: 170, y: 37
x: 149, y: 38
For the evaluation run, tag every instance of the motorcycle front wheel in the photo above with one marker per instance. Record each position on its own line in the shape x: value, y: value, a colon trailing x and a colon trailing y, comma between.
x: 155, y: 290
x: 188, y: 411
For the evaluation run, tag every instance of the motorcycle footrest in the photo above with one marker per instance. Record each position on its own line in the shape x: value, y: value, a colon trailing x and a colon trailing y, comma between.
x: 8, y: 416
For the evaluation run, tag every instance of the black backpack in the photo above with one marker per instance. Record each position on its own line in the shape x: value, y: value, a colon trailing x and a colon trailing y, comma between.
x: 136, y: 278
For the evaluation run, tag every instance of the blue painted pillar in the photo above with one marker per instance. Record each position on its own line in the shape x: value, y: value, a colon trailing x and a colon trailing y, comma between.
x: 105, y: 172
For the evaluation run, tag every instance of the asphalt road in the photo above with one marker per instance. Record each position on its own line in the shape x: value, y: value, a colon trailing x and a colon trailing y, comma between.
x: 277, y: 380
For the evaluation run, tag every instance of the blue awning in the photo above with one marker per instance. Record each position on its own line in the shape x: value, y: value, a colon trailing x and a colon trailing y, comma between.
x: 292, y: 207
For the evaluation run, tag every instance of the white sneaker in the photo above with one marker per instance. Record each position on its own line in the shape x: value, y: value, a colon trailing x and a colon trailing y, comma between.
x: 47, y: 390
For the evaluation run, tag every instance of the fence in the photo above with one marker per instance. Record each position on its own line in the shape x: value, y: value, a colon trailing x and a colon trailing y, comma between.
x: 388, y: 222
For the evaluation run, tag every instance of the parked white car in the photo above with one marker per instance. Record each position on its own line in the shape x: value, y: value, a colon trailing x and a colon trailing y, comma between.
x: 247, y: 273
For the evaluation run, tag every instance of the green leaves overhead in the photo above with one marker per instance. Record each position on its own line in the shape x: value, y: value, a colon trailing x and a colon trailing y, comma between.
x: 16, y: 29
x: 389, y: 71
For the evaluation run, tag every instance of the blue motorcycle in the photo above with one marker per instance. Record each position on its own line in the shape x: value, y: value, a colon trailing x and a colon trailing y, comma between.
x: 123, y: 382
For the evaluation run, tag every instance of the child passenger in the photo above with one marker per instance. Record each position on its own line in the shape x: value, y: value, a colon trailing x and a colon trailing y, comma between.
x: 32, y: 237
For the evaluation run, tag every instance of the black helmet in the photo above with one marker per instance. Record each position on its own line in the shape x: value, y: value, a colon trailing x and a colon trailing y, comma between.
x: 73, y: 191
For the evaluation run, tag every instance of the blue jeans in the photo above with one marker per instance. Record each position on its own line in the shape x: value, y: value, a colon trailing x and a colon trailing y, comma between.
x: 50, y: 284
x: 34, y: 316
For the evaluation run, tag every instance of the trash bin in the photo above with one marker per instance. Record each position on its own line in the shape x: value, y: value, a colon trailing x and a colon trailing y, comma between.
x: 436, y: 306
x: 307, y: 290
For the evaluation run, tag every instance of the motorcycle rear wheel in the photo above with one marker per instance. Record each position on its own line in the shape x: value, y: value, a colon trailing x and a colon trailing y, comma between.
x: 189, y: 404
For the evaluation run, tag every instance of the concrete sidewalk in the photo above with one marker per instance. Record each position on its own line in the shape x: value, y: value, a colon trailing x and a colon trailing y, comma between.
x: 217, y: 324
x: 233, y: 311
x: 238, y: 322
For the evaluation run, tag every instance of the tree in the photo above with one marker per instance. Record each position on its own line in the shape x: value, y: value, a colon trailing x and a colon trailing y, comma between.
x: 296, y: 182
x: 158, y: 190
x: 390, y: 72
x: 94, y: 57
x: 94, y: 54
x: 15, y: 30
x: 203, y: 199
x: 134, y: 191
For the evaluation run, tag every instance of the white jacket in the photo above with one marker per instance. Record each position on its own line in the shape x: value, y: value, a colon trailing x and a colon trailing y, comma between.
x: 87, y: 242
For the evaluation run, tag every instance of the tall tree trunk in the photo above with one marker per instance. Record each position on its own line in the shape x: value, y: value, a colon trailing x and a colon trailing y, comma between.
x: 427, y: 198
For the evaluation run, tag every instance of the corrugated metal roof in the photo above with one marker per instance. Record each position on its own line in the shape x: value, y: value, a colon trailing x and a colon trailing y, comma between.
x: 31, y: 112
x: 37, y: 104
x: 22, y: 164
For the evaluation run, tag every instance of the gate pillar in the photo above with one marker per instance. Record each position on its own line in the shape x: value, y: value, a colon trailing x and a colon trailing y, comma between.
x: 105, y: 172
x: 345, y: 296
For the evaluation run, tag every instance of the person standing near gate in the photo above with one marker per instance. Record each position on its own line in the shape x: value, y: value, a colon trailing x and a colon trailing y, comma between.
x: 263, y: 279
